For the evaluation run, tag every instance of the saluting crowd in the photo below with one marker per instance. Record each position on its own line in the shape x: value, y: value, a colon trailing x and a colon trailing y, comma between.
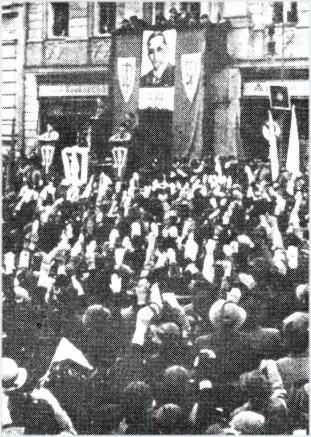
x: 186, y: 291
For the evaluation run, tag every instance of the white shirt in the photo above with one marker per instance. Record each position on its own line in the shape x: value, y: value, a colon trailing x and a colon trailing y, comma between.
x: 49, y: 136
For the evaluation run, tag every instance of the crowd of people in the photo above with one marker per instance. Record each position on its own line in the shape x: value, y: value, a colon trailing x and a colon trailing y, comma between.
x: 186, y: 292
x: 175, y: 19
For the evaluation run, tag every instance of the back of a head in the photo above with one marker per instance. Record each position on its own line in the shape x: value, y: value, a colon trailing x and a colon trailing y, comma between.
x: 296, y: 332
x: 258, y: 388
x: 168, y: 419
x: 136, y: 400
x: 42, y: 419
x: 175, y: 380
x: 96, y: 317
x: 226, y: 316
x: 248, y: 423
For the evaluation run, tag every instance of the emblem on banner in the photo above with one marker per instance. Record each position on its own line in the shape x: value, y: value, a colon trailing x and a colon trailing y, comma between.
x: 47, y: 153
x: 126, y: 75
x: 266, y: 129
x: 190, y: 71
x: 75, y: 161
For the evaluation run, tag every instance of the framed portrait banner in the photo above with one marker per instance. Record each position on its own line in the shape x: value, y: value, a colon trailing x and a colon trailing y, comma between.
x: 157, y: 78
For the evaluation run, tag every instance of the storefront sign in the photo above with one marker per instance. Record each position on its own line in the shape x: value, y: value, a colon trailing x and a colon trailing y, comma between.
x: 262, y: 89
x: 65, y: 90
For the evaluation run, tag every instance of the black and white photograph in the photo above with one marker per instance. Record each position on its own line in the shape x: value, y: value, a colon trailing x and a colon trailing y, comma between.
x: 158, y: 59
x: 155, y: 217
x: 158, y: 70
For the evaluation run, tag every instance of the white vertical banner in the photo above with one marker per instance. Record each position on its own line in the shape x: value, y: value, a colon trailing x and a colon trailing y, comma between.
x: 273, y: 151
x: 293, y: 158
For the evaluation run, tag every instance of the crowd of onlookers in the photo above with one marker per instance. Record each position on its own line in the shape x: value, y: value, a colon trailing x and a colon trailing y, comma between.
x: 185, y: 291
x: 175, y: 19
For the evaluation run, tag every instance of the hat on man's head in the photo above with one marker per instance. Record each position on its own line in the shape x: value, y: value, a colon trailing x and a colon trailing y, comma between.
x: 167, y: 330
x: 226, y: 314
x: 176, y: 377
x: 168, y: 418
x: 302, y: 292
x: 96, y: 316
x: 21, y: 295
x: 298, y: 320
x: 296, y: 331
x: 13, y: 377
x: 136, y: 398
x: 248, y: 423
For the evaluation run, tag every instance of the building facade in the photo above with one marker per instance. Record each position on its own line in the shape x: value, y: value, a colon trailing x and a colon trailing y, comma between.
x: 68, y: 58
x: 13, y: 63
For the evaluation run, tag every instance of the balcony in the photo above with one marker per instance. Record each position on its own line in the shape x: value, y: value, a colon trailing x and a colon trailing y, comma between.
x: 249, y: 43
x: 95, y: 51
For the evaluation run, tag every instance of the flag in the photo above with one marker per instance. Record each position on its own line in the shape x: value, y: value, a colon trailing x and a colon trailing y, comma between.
x: 292, y: 162
x: 67, y: 351
x: 273, y: 151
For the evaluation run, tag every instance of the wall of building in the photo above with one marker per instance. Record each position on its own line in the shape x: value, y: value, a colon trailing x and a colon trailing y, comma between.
x: 247, y: 45
x: 248, y: 40
x: 13, y: 48
x: 31, y: 112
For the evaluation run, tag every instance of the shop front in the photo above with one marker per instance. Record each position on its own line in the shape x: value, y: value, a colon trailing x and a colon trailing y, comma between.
x: 78, y: 111
x: 255, y: 104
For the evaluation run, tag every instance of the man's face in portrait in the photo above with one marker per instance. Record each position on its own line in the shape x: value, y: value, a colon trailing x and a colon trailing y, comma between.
x: 157, y: 51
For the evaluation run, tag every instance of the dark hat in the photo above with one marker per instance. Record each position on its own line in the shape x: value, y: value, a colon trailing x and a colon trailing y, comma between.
x: 176, y: 378
x: 168, y: 418
x: 136, y: 399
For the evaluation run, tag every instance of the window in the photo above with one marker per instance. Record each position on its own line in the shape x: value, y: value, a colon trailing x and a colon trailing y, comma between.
x: 292, y: 14
x: 9, y: 26
x: 285, y: 12
x: 152, y: 10
x: 60, y: 25
x: 148, y: 12
x: 191, y: 8
x: 107, y: 17
x: 159, y: 8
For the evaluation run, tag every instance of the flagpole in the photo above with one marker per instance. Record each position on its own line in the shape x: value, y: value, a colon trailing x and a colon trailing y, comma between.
x: 273, y: 152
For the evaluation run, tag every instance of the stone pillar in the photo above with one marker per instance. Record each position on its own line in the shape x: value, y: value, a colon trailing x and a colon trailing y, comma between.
x: 226, y: 95
x: 31, y: 113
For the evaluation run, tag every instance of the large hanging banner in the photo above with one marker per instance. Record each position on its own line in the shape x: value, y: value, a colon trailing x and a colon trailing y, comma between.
x: 160, y: 74
x: 126, y: 75
x: 189, y: 93
x: 158, y: 70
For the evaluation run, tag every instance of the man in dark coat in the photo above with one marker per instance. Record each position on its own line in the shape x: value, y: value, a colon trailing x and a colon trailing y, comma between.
x: 162, y: 73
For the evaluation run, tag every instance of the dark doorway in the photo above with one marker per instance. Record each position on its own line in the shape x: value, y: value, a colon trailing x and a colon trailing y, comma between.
x: 254, y: 113
x: 67, y: 116
x: 71, y: 119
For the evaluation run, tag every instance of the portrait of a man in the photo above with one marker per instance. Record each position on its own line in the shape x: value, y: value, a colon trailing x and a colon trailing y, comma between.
x: 162, y: 73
